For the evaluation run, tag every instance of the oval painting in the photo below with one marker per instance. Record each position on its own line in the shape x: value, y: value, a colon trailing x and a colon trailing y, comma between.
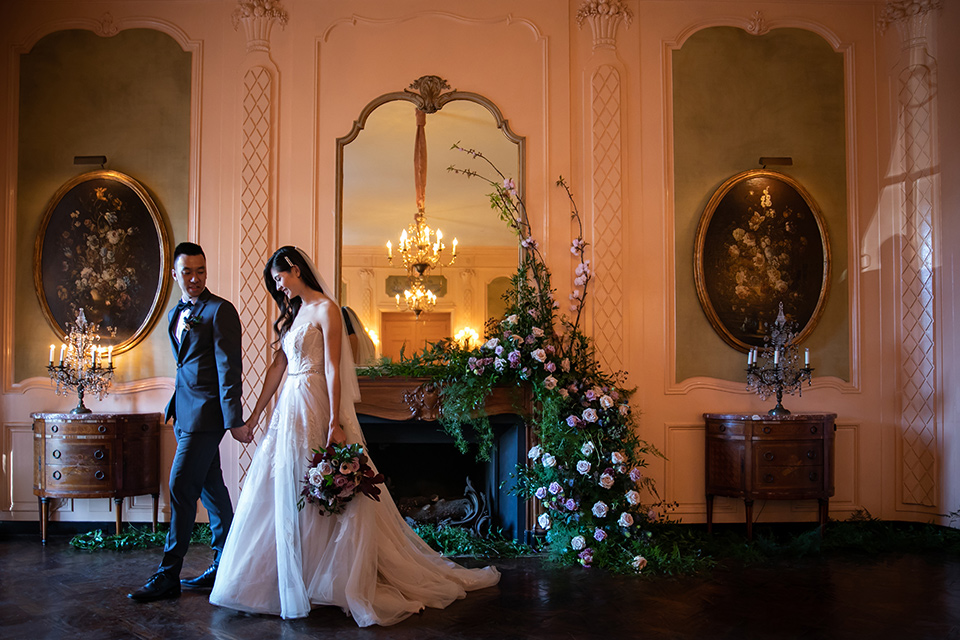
x: 761, y: 241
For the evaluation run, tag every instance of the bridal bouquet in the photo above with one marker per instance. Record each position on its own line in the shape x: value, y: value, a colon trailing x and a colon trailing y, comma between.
x: 335, y: 475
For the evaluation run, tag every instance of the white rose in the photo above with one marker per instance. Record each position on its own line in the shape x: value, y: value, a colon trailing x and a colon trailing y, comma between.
x: 578, y: 543
x: 583, y: 467
x: 639, y: 562
x: 316, y: 478
x: 539, y: 355
x: 600, y: 509
x: 617, y: 457
x: 632, y: 497
x: 491, y: 343
x: 626, y: 520
x: 535, y: 452
x: 325, y: 468
x: 587, y: 449
x: 606, y: 402
x: 544, y: 521
x: 606, y: 481
x: 548, y: 460
x: 590, y: 415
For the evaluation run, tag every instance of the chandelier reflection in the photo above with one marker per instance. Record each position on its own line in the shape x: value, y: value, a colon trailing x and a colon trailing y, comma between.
x: 418, y: 298
x: 420, y: 248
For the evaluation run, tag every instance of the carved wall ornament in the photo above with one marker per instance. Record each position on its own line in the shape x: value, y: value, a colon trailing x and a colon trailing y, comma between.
x: 107, y: 26
x: 910, y: 16
x: 604, y: 16
x: 257, y: 18
x: 429, y: 91
x: 758, y: 24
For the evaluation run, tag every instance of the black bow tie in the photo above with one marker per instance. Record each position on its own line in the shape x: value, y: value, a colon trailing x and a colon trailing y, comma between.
x: 183, y: 305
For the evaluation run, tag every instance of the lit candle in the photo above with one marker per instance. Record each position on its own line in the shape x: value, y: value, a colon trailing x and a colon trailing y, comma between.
x: 52, y: 348
x: 63, y: 348
x: 806, y: 357
x: 454, y: 246
x: 750, y: 357
x: 776, y: 356
x: 110, y: 356
x: 389, y: 249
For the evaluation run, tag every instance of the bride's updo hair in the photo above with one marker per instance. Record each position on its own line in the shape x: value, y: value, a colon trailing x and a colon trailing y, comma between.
x: 284, y: 259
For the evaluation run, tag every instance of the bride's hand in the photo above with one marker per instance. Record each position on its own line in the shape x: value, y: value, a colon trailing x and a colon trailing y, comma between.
x: 336, y: 435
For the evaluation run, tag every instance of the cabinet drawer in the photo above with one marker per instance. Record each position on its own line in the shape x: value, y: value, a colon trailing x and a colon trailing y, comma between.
x: 92, y: 428
x: 775, y: 478
x: 788, y: 453
x: 788, y: 429
x: 724, y: 428
x: 91, y: 452
x: 74, y: 477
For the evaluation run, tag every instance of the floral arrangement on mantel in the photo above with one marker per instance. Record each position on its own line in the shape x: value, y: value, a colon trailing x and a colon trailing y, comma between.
x: 587, y: 470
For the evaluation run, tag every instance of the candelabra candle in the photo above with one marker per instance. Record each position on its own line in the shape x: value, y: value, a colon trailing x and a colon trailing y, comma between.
x: 78, y: 371
x: 780, y: 372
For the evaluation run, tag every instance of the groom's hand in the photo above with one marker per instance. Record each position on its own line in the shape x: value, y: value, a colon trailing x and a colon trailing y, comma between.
x: 243, y: 434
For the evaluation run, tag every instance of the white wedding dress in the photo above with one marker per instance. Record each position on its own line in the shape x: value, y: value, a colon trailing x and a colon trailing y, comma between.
x: 367, y: 560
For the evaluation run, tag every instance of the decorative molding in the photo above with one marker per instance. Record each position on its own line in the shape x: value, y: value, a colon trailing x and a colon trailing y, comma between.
x: 911, y: 17
x: 757, y: 25
x: 107, y: 27
x: 354, y: 20
x: 427, y: 93
x: 257, y: 18
x: 604, y: 17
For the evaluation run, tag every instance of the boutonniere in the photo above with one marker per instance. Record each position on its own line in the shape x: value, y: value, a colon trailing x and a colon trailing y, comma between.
x: 192, y: 320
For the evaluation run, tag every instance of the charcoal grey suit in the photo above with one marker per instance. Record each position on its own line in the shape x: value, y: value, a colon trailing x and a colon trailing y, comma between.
x: 206, y: 402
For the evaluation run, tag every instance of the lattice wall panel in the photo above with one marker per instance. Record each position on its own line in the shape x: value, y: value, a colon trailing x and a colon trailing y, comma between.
x: 255, y: 202
x: 917, y: 329
x: 607, y: 217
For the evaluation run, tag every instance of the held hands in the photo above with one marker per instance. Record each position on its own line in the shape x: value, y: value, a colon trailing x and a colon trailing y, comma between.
x: 336, y: 435
x: 245, y: 433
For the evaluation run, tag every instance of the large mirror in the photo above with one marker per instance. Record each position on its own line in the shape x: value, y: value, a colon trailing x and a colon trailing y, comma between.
x: 377, y: 199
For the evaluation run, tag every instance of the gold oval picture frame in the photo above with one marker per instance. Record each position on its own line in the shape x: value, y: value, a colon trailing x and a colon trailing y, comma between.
x: 761, y: 241
x: 103, y: 247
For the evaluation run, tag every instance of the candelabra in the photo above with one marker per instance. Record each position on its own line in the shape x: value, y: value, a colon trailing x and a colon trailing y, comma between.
x: 80, y: 365
x: 781, y: 371
x: 418, y: 298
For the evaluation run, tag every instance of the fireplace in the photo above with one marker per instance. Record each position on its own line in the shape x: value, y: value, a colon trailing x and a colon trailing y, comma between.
x: 423, y: 466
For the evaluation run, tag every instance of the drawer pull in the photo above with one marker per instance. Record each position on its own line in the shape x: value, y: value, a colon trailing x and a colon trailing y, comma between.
x: 144, y: 427
x: 811, y: 455
x: 767, y: 429
x: 98, y: 454
x: 813, y: 429
x: 768, y: 478
x: 102, y: 429
x: 98, y: 475
x: 57, y: 475
x: 813, y: 476
x: 722, y: 428
x: 56, y: 453
x: 54, y: 428
x: 768, y: 456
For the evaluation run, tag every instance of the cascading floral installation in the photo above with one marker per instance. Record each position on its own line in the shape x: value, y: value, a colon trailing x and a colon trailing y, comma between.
x: 586, y: 472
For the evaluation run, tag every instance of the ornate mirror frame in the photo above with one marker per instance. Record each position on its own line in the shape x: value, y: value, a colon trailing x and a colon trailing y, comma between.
x: 428, y: 94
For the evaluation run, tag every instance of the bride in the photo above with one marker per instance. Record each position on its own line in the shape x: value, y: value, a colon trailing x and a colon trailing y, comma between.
x: 279, y: 560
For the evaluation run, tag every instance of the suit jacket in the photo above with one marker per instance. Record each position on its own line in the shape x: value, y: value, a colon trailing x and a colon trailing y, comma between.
x: 208, y: 387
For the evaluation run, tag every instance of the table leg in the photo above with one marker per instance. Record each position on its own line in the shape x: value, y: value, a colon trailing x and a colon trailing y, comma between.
x: 709, y: 513
x: 748, y: 507
x: 118, y: 508
x: 156, y: 499
x: 44, y: 513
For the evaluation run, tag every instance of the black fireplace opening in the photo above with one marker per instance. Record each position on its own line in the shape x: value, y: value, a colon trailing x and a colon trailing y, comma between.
x: 432, y: 482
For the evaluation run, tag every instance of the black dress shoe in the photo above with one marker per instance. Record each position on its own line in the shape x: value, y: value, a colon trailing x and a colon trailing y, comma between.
x: 203, y: 581
x: 158, y: 587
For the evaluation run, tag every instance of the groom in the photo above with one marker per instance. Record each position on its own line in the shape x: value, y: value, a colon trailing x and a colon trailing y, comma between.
x: 205, y: 336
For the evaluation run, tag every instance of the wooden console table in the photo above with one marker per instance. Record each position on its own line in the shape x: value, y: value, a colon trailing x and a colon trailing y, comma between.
x: 772, y: 458
x: 95, y: 455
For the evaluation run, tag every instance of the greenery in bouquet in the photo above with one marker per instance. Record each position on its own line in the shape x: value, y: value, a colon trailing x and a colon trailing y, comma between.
x: 335, y: 475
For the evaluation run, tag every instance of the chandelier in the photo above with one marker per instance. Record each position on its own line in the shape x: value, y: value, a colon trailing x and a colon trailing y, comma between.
x: 418, y: 298
x: 420, y: 248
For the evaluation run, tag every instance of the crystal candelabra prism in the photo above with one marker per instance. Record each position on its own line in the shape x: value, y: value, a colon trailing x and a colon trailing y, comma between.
x: 81, y: 366
x: 780, y: 371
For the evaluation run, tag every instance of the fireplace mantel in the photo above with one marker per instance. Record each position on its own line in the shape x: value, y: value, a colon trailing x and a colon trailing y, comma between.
x: 403, y: 398
x: 405, y: 410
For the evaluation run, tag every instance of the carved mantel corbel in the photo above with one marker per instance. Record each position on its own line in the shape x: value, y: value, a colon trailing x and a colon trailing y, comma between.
x: 257, y: 18
x: 604, y: 17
